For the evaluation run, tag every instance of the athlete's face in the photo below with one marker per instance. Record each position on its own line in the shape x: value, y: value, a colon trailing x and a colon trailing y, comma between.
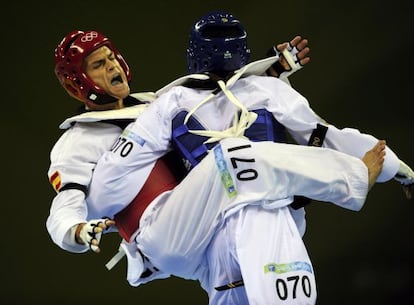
x: 102, y: 67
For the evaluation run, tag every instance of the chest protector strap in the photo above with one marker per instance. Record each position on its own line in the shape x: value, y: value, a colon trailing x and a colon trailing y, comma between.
x: 266, y: 128
x: 192, y: 148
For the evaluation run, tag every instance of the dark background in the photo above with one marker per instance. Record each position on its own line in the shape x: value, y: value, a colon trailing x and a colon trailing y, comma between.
x: 359, y: 76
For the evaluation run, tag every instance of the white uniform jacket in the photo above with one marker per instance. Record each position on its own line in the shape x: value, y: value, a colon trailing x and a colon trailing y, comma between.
x: 119, y: 171
x: 72, y: 161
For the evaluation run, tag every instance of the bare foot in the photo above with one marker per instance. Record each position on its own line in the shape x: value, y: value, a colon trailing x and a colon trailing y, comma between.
x: 374, y: 160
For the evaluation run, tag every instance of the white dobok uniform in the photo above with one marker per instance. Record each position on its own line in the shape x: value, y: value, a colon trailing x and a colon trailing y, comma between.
x: 72, y: 161
x: 229, y: 219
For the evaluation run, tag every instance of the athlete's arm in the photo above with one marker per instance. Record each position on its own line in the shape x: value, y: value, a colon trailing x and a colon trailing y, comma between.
x: 293, y: 111
x: 121, y: 172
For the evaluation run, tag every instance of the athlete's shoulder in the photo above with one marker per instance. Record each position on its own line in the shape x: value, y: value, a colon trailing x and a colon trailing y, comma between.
x: 80, y: 132
x: 99, y: 116
x: 85, y: 139
x: 181, y: 82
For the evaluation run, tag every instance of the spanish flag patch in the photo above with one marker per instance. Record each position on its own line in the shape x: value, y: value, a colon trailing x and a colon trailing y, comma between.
x: 56, y: 181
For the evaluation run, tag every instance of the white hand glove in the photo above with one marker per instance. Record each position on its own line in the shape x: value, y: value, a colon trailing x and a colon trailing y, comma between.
x: 91, y: 232
x: 405, y: 176
x: 290, y: 54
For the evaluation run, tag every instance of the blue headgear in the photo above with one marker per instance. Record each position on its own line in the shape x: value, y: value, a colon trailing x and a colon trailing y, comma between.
x: 217, y: 44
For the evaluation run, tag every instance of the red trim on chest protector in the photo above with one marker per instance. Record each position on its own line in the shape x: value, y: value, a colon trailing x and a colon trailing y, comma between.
x: 161, y: 179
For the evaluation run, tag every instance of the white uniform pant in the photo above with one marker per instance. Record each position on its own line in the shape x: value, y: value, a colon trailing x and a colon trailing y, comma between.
x: 264, y: 249
x: 176, y: 229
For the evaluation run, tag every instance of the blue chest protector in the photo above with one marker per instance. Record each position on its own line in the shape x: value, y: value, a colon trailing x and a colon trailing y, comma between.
x: 192, y: 149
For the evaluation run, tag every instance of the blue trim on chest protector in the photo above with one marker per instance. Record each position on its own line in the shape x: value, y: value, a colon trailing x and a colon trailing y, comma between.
x: 192, y: 149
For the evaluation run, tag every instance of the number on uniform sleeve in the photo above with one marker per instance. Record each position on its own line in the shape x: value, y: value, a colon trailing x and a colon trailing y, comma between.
x: 123, y: 146
x: 245, y: 174
x: 282, y: 285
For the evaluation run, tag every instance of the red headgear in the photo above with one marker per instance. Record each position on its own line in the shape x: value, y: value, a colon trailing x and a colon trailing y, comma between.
x: 69, y: 57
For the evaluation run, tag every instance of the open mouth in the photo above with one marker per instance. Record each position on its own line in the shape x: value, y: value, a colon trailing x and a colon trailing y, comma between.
x: 116, y: 80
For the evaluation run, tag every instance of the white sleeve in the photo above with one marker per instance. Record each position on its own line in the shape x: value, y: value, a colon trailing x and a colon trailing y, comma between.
x: 293, y: 111
x: 73, y: 160
x: 353, y: 142
x: 121, y: 172
x: 68, y: 209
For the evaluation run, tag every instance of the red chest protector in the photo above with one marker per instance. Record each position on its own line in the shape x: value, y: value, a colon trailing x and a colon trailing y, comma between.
x: 164, y: 176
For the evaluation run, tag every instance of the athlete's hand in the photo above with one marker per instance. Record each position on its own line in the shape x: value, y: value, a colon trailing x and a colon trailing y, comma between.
x: 90, y: 233
x: 298, y: 49
x: 293, y: 56
x: 405, y: 176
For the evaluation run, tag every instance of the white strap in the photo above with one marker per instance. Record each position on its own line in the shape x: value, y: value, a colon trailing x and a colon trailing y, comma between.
x: 239, y: 124
x: 187, y: 117
x: 115, y: 259
x: 290, y: 56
